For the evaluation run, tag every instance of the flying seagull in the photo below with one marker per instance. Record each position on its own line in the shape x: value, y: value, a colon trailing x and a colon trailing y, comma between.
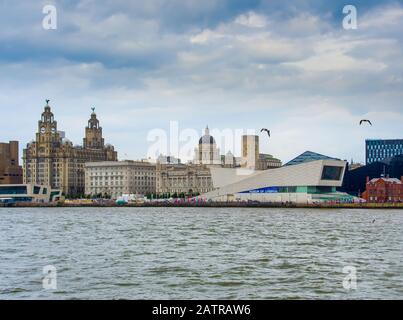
x: 267, y: 130
x: 365, y: 120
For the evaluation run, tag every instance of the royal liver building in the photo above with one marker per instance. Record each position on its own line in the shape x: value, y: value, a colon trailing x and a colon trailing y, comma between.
x: 52, y: 160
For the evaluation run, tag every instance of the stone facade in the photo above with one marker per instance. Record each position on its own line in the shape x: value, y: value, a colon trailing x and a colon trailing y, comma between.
x: 250, y: 152
x: 10, y: 170
x: 267, y: 161
x: 181, y: 178
x: 54, y: 161
x: 116, y: 178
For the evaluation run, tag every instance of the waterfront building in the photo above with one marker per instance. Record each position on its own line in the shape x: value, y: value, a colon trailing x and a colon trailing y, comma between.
x: 267, y: 161
x: 384, y: 190
x: 207, y: 152
x: 379, y: 150
x: 116, y: 178
x: 183, y: 179
x: 311, y: 179
x: 197, y: 177
x: 12, y: 193
x: 355, y: 180
x: 10, y: 170
x: 53, y: 160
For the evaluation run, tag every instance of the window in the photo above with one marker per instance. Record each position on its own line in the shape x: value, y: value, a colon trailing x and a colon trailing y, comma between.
x: 331, y: 173
x: 13, y: 190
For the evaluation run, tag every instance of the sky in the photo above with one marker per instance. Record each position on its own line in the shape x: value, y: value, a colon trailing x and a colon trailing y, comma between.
x: 288, y: 66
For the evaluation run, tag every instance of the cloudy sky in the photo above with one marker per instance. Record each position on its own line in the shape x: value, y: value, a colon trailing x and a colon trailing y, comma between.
x: 289, y: 66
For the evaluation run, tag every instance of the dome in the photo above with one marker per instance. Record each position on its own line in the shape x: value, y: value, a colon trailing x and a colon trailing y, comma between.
x: 206, y: 139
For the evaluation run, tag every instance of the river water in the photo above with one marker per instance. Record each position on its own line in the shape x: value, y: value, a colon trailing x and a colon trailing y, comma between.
x: 201, y: 253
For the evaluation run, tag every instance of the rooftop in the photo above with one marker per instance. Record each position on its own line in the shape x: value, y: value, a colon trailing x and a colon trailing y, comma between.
x: 390, y: 180
x: 308, y: 156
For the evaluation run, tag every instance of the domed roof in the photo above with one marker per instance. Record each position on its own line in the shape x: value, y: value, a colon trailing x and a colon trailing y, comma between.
x: 206, y: 139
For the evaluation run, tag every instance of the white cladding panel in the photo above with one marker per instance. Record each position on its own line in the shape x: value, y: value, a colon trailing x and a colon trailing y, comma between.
x: 305, y: 174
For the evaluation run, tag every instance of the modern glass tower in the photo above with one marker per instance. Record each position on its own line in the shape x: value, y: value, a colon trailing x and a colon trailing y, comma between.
x: 379, y: 150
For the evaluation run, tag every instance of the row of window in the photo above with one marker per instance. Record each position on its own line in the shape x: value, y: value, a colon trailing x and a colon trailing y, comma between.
x: 122, y: 178
x: 383, y: 147
x: 120, y: 183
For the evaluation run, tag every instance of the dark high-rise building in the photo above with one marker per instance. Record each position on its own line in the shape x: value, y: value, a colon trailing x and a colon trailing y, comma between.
x: 10, y: 170
x: 379, y: 150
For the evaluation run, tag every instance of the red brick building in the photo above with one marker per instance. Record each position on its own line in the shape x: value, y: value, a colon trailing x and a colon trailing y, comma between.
x: 381, y: 190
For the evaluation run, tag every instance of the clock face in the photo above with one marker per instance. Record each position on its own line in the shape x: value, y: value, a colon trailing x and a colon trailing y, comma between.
x: 43, y: 130
x: 53, y: 130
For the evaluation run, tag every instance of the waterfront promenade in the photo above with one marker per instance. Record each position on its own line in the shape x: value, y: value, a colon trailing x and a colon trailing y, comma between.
x: 113, y: 204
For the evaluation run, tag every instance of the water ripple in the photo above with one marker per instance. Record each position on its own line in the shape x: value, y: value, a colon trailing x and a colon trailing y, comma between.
x: 200, y: 253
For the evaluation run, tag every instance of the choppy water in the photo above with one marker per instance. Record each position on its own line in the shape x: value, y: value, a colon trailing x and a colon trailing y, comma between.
x: 200, y: 253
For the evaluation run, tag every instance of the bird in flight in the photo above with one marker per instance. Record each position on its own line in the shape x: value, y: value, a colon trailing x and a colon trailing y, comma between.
x: 267, y: 130
x: 365, y: 120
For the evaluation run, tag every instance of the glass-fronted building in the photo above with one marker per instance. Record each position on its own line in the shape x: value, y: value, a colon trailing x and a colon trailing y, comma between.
x: 379, y: 150
x: 13, y: 193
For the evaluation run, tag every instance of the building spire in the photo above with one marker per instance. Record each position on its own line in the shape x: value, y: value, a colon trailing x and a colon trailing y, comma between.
x: 93, y: 133
x: 47, y: 115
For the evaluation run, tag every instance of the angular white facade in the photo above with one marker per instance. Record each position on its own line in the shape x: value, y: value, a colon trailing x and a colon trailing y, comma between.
x: 309, y: 182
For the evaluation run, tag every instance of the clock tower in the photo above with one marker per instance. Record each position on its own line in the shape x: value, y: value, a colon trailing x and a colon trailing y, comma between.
x: 47, y: 129
x: 93, y: 133
x: 52, y: 160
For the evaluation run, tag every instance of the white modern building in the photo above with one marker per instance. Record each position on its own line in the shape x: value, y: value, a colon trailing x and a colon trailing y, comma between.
x: 115, y: 178
x: 309, y: 178
x: 12, y: 193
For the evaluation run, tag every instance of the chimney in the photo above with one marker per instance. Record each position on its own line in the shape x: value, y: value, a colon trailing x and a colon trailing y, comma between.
x: 368, y: 179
